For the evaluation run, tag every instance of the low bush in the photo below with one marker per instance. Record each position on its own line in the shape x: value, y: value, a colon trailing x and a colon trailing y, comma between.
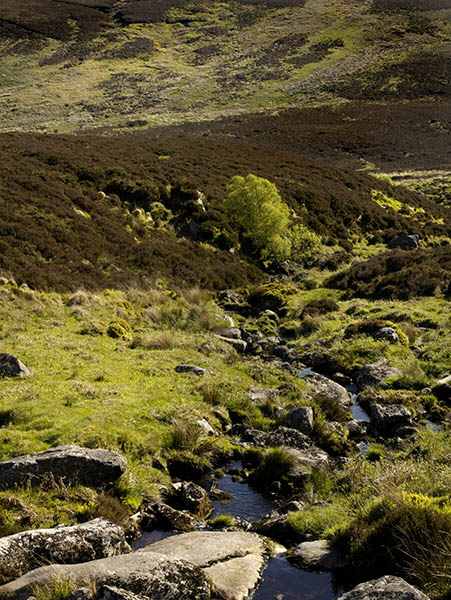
x: 275, y: 464
x: 222, y: 522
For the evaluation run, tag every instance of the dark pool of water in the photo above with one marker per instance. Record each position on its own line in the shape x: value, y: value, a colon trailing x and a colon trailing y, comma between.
x: 283, y: 581
x: 246, y: 503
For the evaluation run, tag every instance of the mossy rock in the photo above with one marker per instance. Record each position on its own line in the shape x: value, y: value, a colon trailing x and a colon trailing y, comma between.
x: 272, y: 296
x: 188, y: 466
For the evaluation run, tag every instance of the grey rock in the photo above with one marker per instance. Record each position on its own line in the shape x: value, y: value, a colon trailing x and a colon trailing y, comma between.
x: 163, y: 516
x: 384, y: 588
x: 192, y: 497
x: 10, y: 366
x: 405, y: 242
x: 23, y: 552
x: 376, y: 374
x: 319, y: 555
x: 285, y: 436
x: 442, y: 389
x: 206, y: 427
x: 284, y: 353
x: 239, y: 345
x: 292, y: 506
x: 152, y: 575
x: 358, y: 428
x: 69, y: 464
x: 199, y: 371
x: 278, y: 529
x: 301, y: 419
x: 319, y: 385
x: 334, y: 427
x: 233, y: 333
x: 233, y: 561
x: 310, y: 458
x: 261, y: 395
x: 388, y: 334
x: 230, y: 297
x: 387, y: 419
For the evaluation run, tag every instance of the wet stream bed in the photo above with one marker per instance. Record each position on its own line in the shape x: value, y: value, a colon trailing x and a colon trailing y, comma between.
x: 280, y: 580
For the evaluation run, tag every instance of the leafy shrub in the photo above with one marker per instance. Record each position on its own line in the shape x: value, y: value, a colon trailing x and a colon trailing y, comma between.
x: 255, y: 206
x: 305, y: 244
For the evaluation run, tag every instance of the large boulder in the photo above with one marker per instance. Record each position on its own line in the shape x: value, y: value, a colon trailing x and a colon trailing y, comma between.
x: 261, y: 395
x: 321, y: 386
x: 309, y: 458
x: 233, y: 561
x: 389, y: 334
x: 68, y: 464
x: 384, y: 588
x: 154, y: 576
x: 387, y: 419
x: 23, y: 552
x: 10, y: 366
x: 300, y: 419
x: 320, y: 555
x: 376, y: 374
x: 193, y: 369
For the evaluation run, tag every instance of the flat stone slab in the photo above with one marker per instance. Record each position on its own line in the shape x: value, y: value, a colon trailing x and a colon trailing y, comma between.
x: 233, y: 560
x: 150, y: 574
x: 235, y: 578
x: 204, y: 548
x: 70, y: 464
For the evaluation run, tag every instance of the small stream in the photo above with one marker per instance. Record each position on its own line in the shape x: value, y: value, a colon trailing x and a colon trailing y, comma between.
x: 280, y: 580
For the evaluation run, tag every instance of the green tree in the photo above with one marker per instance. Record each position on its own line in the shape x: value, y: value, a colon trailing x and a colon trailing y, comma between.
x: 254, y: 205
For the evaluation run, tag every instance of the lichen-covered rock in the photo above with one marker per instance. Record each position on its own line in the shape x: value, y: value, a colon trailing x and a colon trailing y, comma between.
x: 10, y: 366
x: 69, y: 464
x: 286, y: 436
x: 154, y: 576
x: 319, y: 385
x: 300, y: 419
x: 109, y: 592
x: 384, y: 588
x: 167, y: 518
x: 358, y: 429
x: 376, y: 374
x: 387, y: 419
x: 239, y: 345
x: 233, y: 561
x: 23, y: 552
x: 310, y: 458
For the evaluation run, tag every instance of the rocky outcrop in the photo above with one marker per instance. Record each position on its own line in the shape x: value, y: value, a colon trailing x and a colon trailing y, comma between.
x: 310, y: 458
x: 319, y: 385
x: 376, y: 374
x: 239, y: 345
x: 109, y: 592
x: 387, y: 419
x: 23, y: 552
x: 68, y: 464
x: 285, y: 436
x: 162, y: 516
x: 300, y: 419
x: 385, y: 588
x: 233, y: 561
x: 320, y: 555
x: 10, y: 366
x: 358, y: 429
x: 151, y: 575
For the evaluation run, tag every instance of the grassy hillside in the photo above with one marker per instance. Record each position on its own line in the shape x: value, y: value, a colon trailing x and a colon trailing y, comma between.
x: 100, y: 212
x: 135, y: 64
